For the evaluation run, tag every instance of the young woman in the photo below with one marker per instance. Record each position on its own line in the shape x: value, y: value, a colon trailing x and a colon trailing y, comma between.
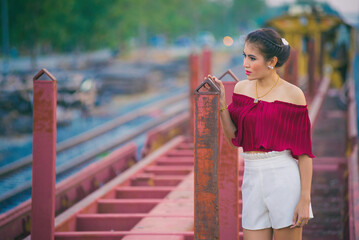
x: 268, y: 117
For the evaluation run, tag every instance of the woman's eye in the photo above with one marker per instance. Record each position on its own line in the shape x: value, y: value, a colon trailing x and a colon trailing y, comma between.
x: 251, y: 58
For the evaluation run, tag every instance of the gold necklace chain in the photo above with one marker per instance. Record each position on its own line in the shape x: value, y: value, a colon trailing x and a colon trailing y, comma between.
x: 256, y: 99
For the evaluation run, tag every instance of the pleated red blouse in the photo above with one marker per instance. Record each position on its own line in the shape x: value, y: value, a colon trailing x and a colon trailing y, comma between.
x: 270, y: 126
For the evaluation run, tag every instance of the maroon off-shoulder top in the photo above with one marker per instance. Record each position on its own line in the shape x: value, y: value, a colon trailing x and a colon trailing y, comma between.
x: 270, y: 126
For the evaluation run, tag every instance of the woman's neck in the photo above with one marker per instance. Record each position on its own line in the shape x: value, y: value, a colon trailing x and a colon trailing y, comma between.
x: 268, y: 81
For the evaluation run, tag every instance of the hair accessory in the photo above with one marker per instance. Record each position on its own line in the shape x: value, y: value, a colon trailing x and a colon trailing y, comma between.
x: 285, y: 42
x: 269, y: 66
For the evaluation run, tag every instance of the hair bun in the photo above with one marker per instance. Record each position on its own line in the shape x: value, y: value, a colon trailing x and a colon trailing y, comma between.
x: 270, y: 44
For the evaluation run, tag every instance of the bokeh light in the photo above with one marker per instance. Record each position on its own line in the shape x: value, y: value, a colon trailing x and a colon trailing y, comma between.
x: 228, y: 41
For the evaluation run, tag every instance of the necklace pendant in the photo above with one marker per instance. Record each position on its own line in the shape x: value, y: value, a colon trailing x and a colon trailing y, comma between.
x: 256, y: 100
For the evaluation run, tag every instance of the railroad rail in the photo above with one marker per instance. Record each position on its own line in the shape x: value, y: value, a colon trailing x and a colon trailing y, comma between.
x: 180, y: 106
x: 90, y: 178
x: 95, y: 132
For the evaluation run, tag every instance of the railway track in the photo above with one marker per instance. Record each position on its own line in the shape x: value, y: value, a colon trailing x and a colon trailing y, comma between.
x: 16, y: 223
x: 16, y: 177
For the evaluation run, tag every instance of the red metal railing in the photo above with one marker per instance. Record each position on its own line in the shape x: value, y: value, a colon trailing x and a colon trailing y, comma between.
x: 161, y: 134
x: 353, y: 169
x: 152, y: 199
x: 144, y: 200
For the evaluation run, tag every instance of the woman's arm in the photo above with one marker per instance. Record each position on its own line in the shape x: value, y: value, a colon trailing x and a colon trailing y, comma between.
x: 226, y: 122
x: 306, y: 171
x: 227, y: 125
x: 301, y: 214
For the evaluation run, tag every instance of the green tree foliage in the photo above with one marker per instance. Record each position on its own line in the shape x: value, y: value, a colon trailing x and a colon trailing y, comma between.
x: 69, y: 25
x: 244, y: 11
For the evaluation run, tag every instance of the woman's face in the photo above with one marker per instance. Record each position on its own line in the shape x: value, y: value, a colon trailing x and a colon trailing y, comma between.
x: 254, y: 63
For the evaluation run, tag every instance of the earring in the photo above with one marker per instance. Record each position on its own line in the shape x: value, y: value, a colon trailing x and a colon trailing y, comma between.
x: 269, y: 66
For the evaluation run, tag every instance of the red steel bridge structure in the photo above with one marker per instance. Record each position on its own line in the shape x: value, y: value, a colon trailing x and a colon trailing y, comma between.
x: 187, y: 186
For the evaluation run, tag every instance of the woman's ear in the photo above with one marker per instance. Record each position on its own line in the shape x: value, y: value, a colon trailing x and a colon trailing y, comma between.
x: 273, y: 61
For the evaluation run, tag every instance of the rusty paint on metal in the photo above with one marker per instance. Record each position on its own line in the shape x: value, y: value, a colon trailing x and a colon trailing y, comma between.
x: 44, y: 157
x: 291, y: 68
x: 206, y: 147
x: 207, y: 87
x: 194, y: 81
x: 228, y: 175
x: 311, y: 66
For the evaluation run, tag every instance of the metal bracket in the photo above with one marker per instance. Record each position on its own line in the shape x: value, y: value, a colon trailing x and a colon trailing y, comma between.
x: 231, y: 74
x: 42, y: 72
x: 209, y: 85
x: 212, y: 86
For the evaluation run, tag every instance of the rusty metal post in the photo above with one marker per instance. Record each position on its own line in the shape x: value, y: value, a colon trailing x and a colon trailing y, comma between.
x: 206, y: 61
x: 194, y: 81
x: 228, y: 181
x: 291, y: 68
x: 206, y: 144
x: 311, y: 66
x: 44, y: 157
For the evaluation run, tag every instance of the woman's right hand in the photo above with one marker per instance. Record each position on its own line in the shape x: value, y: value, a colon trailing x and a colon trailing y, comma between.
x: 220, y: 85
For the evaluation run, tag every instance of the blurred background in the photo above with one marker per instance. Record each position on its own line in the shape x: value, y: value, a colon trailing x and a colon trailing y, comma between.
x: 115, y: 56
x: 78, y: 41
x: 89, y: 46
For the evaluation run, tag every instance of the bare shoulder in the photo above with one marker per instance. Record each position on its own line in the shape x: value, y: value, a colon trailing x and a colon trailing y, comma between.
x: 296, y: 94
x: 241, y: 86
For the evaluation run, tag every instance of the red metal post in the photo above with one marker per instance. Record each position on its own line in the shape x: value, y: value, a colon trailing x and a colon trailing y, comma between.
x: 44, y: 157
x: 206, y: 61
x: 194, y: 81
x: 311, y: 66
x: 291, y: 68
x: 228, y: 181
x: 353, y: 177
x: 206, y: 143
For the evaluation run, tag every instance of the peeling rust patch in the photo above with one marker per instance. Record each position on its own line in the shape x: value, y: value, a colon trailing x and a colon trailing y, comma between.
x: 206, y: 166
x: 43, y: 108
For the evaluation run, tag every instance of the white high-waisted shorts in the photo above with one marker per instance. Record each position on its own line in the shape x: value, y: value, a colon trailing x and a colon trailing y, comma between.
x: 270, y: 190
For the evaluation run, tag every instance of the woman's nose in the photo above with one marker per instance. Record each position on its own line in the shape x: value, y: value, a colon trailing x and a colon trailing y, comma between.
x: 245, y: 63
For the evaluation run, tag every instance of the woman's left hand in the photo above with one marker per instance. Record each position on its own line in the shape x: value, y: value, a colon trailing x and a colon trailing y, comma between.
x: 301, y: 214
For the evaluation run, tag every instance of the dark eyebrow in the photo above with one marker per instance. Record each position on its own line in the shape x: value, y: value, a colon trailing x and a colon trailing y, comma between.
x: 250, y: 55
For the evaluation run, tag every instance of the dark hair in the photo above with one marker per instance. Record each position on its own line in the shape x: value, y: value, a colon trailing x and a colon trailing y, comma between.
x: 270, y: 44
